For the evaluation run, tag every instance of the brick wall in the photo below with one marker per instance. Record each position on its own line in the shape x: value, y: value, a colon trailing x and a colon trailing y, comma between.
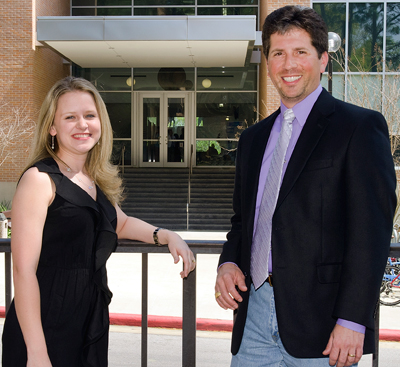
x: 26, y: 70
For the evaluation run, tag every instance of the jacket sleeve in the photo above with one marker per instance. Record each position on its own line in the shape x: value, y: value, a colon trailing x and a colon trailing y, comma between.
x: 370, y: 205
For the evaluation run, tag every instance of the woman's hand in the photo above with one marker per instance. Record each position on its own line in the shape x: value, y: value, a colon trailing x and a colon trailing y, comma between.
x: 135, y: 229
x: 178, y: 247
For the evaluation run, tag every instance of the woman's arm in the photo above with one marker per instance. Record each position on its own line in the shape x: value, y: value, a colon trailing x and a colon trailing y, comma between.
x: 32, y: 198
x: 136, y: 229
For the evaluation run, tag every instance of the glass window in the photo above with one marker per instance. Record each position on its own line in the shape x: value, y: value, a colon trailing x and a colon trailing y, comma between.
x: 151, y: 130
x: 114, y: 2
x: 164, y: 2
x: 119, y: 147
x: 227, y: 78
x: 83, y: 2
x: 365, y: 90
x: 334, y: 16
x: 393, y: 36
x: 365, y: 36
x: 114, y: 11
x: 216, y: 152
x: 227, y: 2
x: 391, y: 103
x: 224, y: 115
x: 164, y: 11
x: 179, y: 79
x: 226, y: 11
x: 337, y: 85
x: 109, y: 79
x: 119, y: 110
x: 83, y: 11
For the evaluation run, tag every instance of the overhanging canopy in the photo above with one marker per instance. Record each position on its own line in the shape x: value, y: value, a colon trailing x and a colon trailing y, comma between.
x: 160, y: 41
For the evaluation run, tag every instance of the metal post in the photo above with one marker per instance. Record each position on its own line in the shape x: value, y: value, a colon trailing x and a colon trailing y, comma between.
x: 189, y: 321
x: 123, y: 159
x: 187, y: 216
x: 330, y: 71
x: 375, y: 356
x: 8, y: 286
x: 145, y: 275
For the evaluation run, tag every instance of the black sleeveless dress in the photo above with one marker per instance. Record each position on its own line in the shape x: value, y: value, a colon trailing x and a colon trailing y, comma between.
x: 78, y: 237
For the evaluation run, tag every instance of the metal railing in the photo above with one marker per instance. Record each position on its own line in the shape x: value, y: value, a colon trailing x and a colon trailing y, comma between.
x: 122, y: 165
x: 189, y: 293
x: 189, y: 186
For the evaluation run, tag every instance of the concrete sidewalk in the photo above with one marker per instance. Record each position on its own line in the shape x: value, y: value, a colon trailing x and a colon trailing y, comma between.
x: 212, y: 349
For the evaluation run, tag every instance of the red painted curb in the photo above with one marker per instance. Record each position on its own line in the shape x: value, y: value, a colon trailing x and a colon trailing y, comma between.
x: 174, y: 322
x: 389, y: 335
x: 169, y: 322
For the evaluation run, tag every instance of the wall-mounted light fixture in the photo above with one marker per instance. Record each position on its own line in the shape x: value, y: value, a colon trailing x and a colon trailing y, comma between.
x: 129, y: 82
x: 206, y: 83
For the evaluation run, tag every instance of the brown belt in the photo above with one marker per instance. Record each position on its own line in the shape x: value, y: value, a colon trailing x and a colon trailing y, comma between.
x: 269, y: 280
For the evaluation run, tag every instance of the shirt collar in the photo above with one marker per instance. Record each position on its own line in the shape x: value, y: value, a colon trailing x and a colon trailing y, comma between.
x: 302, y: 109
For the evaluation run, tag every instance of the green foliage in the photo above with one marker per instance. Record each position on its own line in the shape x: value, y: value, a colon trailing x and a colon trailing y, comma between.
x: 6, y: 205
x: 204, y: 145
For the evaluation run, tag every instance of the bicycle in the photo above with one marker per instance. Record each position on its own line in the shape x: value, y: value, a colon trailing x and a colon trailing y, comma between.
x: 390, y: 287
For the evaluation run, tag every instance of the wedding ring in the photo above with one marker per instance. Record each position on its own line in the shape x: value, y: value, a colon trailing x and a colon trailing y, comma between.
x: 193, y: 260
x: 352, y: 355
x: 217, y: 294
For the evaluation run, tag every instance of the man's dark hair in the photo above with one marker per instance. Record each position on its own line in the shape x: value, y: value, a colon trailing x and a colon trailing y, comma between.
x: 290, y: 17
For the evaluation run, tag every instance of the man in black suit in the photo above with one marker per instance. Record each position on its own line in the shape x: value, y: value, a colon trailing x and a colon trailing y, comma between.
x: 322, y: 253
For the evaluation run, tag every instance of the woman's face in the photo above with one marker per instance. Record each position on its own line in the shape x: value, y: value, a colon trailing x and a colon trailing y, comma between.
x: 76, y: 123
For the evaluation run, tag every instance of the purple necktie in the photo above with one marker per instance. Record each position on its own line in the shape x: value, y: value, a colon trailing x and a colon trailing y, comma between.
x: 260, y: 250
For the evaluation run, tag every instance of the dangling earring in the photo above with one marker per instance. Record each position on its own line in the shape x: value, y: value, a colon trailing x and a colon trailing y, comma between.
x: 52, y: 142
x: 98, y: 143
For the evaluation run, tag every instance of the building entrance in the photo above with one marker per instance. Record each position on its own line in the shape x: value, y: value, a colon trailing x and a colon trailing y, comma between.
x: 164, y: 129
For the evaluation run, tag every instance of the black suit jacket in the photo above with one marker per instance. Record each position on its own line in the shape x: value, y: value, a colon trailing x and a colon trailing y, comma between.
x: 331, y: 228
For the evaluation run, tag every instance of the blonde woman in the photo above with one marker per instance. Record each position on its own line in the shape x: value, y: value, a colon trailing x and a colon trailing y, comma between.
x: 66, y: 222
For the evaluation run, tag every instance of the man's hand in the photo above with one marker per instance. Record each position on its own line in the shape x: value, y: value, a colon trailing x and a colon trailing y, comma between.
x: 229, y: 276
x: 343, y: 344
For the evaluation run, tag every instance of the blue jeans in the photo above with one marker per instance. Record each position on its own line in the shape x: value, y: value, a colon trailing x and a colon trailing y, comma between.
x: 261, y: 344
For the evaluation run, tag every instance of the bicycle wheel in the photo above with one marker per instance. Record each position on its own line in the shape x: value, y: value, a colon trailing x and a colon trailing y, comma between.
x: 390, y: 287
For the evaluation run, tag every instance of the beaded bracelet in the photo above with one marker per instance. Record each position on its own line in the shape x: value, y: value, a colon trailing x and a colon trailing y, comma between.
x: 155, y: 236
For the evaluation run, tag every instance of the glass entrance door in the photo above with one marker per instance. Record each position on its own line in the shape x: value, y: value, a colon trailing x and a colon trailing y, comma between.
x: 163, y: 129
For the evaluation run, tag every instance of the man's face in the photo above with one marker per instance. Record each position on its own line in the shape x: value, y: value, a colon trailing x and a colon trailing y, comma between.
x: 294, y: 66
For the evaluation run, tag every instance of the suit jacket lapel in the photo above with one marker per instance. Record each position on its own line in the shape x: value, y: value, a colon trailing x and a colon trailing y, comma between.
x: 312, y: 131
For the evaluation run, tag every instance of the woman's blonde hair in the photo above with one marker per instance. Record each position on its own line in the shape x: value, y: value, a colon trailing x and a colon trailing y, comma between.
x: 98, y: 164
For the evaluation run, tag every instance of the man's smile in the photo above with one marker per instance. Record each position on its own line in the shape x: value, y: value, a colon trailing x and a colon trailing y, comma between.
x: 291, y: 79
